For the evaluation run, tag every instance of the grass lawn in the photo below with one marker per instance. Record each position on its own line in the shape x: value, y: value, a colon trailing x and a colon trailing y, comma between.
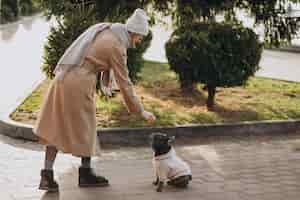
x: 260, y: 99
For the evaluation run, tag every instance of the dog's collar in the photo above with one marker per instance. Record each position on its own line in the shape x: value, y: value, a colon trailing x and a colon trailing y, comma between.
x: 168, y: 155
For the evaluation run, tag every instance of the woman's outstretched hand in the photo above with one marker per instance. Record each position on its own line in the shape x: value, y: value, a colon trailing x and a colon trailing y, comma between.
x: 148, y: 116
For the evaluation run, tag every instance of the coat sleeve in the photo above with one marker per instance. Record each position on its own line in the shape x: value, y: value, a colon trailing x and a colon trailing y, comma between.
x: 118, y: 60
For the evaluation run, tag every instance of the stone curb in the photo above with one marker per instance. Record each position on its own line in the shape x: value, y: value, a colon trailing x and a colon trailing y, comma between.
x: 139, y: 136
x: 17, y: 130
x: 289, y: 49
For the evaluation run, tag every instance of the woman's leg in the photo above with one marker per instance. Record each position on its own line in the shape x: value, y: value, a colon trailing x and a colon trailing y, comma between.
x: 47, y: 178
x: 50, y: 155
x: 87, y: 177
x: 86, y: 162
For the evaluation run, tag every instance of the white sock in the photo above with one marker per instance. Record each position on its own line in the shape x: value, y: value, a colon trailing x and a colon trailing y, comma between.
x: 49, y: 164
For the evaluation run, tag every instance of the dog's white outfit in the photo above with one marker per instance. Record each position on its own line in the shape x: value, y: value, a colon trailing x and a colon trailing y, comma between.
x: 170, y: 166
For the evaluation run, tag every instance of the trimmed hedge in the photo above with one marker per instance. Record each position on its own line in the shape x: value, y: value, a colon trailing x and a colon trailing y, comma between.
x: 215, y: 54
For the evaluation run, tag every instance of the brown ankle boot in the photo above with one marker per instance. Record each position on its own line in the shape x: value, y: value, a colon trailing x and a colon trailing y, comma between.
x: 87, y: 178
x: 47, y: 181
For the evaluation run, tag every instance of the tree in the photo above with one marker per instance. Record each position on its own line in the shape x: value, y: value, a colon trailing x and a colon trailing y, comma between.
x: 279, y: 29
x: 191, y: 49
x: 12, y: 9
x: 9, y: 10
x: 218, y: 55
x: 27, y: 7
x: 62, y: 36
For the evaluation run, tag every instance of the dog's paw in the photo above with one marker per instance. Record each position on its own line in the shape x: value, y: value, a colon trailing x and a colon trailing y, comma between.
x: 160, y: 186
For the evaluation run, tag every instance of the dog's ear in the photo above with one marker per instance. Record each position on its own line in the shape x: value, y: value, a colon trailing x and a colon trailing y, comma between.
x: 171, y: 140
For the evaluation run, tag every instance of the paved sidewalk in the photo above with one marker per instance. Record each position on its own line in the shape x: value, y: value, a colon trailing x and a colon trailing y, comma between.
x: 256, y: 167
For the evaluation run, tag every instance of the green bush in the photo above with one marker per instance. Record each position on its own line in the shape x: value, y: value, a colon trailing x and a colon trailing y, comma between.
x: 62, y: 36
x: 214, y: 54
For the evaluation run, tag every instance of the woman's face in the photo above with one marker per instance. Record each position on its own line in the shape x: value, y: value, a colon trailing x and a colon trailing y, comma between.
x: 136, y: 38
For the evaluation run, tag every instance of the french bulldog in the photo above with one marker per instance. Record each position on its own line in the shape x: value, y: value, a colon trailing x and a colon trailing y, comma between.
x: 167, y: 165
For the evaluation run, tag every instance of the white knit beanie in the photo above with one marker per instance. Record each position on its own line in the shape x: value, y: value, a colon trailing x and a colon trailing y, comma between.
x: 138, y: 22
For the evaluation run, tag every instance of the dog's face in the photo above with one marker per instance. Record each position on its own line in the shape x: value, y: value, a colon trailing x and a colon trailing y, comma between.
x: 161, y: 143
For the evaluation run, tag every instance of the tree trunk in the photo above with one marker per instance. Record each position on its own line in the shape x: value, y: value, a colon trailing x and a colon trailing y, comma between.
x: 211, y: 97
x: 188, y: 87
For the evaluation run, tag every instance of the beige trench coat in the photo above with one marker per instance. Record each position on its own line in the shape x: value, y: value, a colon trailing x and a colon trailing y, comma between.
x: 67, y: 118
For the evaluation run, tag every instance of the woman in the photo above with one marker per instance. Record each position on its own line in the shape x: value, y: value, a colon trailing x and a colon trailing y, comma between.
x: 67, y: 121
